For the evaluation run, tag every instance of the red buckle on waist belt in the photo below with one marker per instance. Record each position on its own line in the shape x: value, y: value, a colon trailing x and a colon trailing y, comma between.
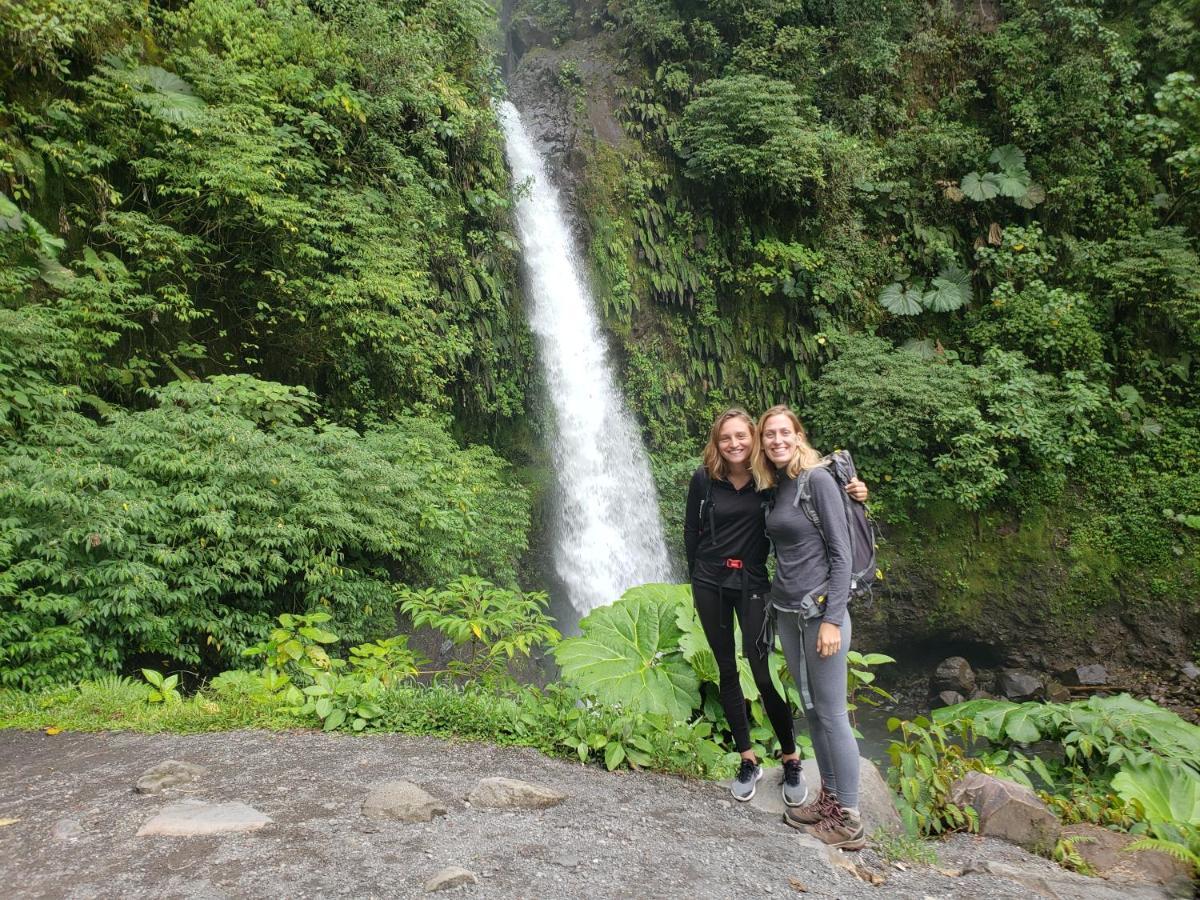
x: 734, y: 564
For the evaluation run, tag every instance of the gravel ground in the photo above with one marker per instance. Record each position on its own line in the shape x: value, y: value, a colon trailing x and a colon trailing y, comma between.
x: 617, y: 835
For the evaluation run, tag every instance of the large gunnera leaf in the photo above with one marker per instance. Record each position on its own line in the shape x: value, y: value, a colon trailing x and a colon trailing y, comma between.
x: 628, y: 654
x: 1168, y: 792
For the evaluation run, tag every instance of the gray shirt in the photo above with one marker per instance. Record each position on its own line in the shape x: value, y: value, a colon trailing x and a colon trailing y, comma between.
x: 811, y: 561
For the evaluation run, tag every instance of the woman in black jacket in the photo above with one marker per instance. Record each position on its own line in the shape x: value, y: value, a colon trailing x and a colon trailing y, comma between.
x: 725, y: 537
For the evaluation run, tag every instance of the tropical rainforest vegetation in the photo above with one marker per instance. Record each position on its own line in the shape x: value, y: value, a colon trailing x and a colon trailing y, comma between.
x: 256, y: 291
x: 960, y: 238
x: 263, y: 365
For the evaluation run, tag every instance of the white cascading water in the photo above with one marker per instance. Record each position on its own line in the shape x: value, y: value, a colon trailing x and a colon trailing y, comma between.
x: 609, y: 535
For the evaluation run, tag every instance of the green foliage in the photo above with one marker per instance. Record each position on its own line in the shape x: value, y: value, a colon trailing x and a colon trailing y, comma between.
x: 561, y: 718
x: 926, y: 761
x: 628, y: 654
x: 1124, y: 763
x: 1166, y: 794
x: 114, y: 543
x: 492, y: 624
x: 387, y: 660
x: 1172, y: 133
x: 165, y: 690
x: 861, y: 687
x: 950, y: 290
x: 231, y: 208
x: 1011, y: 179
x: 646, y: 660
x: 336, y: 700
x: 904, y: 848
x: 1068, y: 245
x: 940, y: 428
x: 755, y: 136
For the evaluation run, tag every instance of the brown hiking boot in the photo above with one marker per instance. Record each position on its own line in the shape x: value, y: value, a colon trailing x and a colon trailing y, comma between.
x: 812, y: 813
x: 843, y: 830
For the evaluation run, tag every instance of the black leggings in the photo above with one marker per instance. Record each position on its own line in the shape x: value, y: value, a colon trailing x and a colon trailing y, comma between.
x: 716, y: 607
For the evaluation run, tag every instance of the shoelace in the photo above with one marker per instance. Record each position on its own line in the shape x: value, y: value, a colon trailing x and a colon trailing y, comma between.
x: 791, y: 773
x: 746, y: 772
x: 833, y: 819
x: 829, y: 806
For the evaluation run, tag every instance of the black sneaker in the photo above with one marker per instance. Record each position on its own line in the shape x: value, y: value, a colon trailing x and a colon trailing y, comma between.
x: 746, y: 781
x: 795, y: 791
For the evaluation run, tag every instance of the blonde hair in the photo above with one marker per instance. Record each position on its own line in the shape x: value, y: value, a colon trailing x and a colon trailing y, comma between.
x: 715, y: 463
x: 803, y: 457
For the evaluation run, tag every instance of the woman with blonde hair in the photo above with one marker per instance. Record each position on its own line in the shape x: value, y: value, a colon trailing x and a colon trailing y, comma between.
x: 727, y: 549
x: 809, y: 598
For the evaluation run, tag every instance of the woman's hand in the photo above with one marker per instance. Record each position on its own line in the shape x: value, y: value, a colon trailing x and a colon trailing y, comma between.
x: 857, y: 489
x: 829, y: 639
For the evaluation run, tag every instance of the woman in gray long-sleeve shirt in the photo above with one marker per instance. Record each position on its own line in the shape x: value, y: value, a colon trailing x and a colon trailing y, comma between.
x: 810, y: 593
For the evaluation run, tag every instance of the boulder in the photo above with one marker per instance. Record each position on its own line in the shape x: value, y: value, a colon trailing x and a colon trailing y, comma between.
x: 875, y: 799
x: 1041, y: 881
x: 192, y: 817
x: 1019, y: 685
x: 1056, y: 692
x: 1008, y: 811
x: 948, y: 698
x: 980, y: 694
x: 510, y: 793
x: 401, y: 801
x: 1094, y: 675
x: 954, y: 674
x: 450, y: 877
x: 1190, y: 671
x: 168, y: 774
x: 1105, y: 851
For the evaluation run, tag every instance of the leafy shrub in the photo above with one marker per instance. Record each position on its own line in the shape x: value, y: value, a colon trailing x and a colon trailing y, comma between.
x: 1125, y: 763
x: 183, y: 530
x: 493, y: 624
x: 926, y: 429
x: 1052, y: 327
x: 756, y: 136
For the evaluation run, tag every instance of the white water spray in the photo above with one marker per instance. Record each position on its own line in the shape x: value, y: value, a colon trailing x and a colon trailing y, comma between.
x: 609, y: 536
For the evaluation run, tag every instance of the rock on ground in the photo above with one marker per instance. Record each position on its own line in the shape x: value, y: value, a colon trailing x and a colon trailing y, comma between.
x: 1093, y: 675
x: 168, y: 774
x: 66, y: 830
x: 1105, y: 851
x: 1008, y: 811
x: 450, y: 877
x: 948, y: 698
x: 1060, y: 885
x: 954, y: 674
x: 1017, y: 684
x: 511, y: 793
x: 402, y: 801
x: 193, y: 817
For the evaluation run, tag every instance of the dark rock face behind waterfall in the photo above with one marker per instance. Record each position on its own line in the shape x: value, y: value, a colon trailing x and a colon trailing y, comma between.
x: 567, y: 95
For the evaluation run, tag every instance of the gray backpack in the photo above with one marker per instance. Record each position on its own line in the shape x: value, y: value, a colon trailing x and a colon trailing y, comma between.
x: 862, y: 529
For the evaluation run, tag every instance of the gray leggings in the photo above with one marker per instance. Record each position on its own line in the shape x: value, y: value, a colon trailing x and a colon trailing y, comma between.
x: 828, y: 721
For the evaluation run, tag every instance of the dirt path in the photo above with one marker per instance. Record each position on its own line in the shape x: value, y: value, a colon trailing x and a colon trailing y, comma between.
x: 616, y: 835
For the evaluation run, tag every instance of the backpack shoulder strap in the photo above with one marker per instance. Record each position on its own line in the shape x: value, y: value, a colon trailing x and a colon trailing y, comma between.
x: 803, y: 500
x: 706, y: 505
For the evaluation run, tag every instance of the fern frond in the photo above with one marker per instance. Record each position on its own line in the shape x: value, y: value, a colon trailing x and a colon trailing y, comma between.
x: 1171, y: 848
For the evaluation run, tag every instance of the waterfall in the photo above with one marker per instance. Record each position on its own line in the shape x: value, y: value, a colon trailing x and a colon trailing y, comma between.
x: 608, y: 533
